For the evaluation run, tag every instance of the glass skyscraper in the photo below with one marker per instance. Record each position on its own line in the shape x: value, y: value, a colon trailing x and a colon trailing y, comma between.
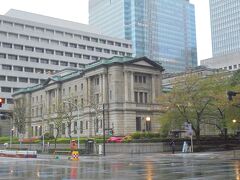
x: 225, y: 26
x: 162, y: 30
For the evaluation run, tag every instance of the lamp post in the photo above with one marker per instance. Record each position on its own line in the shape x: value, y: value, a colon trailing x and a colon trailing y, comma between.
x: 148, y: 123
x: 77, y: 118
x: 104, y: 137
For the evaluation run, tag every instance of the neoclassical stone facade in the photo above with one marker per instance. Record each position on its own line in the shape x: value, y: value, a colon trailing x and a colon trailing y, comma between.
x: 122, y: 91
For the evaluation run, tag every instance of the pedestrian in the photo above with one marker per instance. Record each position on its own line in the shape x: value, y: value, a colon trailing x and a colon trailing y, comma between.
x: 189, y: 146
x: 172, y: 144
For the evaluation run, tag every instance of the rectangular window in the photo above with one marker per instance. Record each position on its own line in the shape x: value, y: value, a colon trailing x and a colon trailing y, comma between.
x: 54, y: 62
x: 23, y: 58
x: 2, y: 33
x: 95, y: 58
x: 44, y: 61
x: 94, y: 39
x: 20, y: 26
x: 2, y: 78
x: 11, y: 56
x: 63, y: 128
x: 75, y: 127
x: 77, y: 55
x: 138, y: 124
x: 28, y: 69
x: 110, y: 42
x: 102, y: 41
x: 54, y: 42
x: 118, y: 44
x: 39, y: 29
x: 64, y: 63
x: 6, y: 67
x: 17, y: 68
x: 82, y: 103
x: 60, y: 33
x: 68, y: 54
x: 24, y: 37
x: 68, y: 35
x: 13, y: 35
x: 43, y: 40
x: 86, y: 38
x: 136, y: 97
x: 49, y: 51
x: 27, y: 27
x: 39, y: 50
x: 3, y: 56
x: 73, y: 64
x: 12, y: 78
x: 6, y: 89
x: 6, y: 45
x: 86, y: 57
x: 145, y: 98
x: 80, y: 46
x: 141, y: 97
x: 65, y: 44
x: 33, y: 59
x: 144, y: 79
x: 59, y: 53
x: 40, y: 71
x: 106, y: 51
x: 9, y: 101
x: 135, y: 79
x: 18, y: 46
x: 86, y: 124
x: 29, y: 48
x: 81, y: 127
x: 90, y: 48
x: 50, y: 31
x: 73, y: 45
x: 33, y: 38
x: 24, y: 80
x: 98, y: 49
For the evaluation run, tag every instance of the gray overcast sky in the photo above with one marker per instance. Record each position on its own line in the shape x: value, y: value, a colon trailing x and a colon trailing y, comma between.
x: 77, y: 10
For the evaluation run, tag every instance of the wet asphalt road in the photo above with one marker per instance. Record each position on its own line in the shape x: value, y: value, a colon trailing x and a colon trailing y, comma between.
x: 221, y: 165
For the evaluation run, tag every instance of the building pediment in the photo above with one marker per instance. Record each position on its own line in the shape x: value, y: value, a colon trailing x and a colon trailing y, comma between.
x: 143, y: 63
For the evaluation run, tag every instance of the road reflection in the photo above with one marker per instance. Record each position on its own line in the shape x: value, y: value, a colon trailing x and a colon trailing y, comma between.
x: 237, y: 169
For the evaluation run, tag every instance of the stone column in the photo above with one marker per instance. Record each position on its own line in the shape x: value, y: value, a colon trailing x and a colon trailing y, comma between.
x: 153, y: 89
x: 126, y: 86
x: 132, y: 87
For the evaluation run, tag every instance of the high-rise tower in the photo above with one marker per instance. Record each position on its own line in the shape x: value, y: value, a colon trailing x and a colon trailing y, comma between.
x: 162, y: 30
x: 225, y: 26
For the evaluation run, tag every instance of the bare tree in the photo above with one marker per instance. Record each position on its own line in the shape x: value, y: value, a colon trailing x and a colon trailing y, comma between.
x: 19, y: 115
x: 56, y: 118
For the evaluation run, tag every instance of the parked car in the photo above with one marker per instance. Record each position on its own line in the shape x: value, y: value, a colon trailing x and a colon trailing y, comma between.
x: 115, y: 139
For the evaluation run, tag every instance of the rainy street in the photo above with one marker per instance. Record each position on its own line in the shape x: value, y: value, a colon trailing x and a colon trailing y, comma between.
x: 219, y: 165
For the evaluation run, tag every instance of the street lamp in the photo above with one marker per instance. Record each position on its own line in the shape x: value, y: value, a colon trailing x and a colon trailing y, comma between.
x: 148, y: 123
x: 234, y: 120
x: 77, y: 118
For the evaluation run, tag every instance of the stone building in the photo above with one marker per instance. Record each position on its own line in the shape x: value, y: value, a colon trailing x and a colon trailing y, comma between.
x: 121, y: 90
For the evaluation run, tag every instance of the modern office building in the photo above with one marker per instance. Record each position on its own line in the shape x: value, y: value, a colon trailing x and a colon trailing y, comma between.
x: 120, y: 92
x: 33, y: 46
x: 162, y: 30
x: 228, y: 62
x: 225, y: 26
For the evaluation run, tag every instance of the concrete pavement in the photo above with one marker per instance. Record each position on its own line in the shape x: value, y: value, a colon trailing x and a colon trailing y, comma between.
x: 218, y: 165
